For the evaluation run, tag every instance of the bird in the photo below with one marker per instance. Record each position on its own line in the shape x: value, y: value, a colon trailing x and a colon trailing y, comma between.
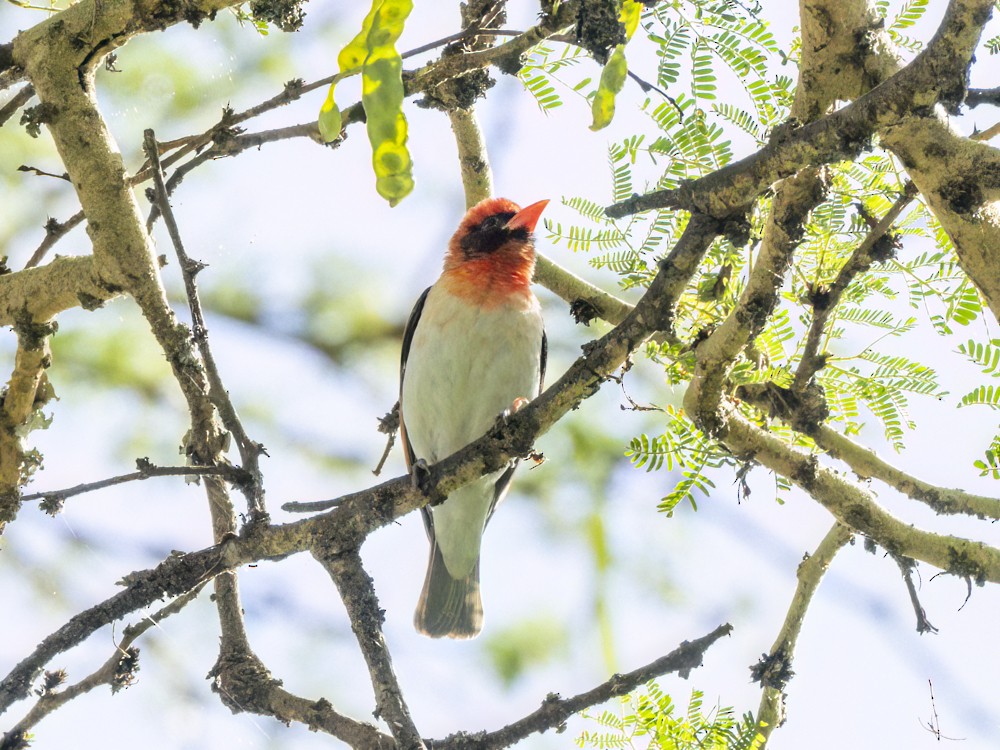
x: 474, y: 350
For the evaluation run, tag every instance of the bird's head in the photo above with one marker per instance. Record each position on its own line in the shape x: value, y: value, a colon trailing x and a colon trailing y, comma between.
x: 495, y: 242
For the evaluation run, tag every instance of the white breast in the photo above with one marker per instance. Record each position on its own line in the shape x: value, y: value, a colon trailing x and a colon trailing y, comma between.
x: 466, y: 365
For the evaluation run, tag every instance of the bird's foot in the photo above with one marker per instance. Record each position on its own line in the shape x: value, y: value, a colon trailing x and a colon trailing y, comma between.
x: 519, y: 403
x: 419, y: 472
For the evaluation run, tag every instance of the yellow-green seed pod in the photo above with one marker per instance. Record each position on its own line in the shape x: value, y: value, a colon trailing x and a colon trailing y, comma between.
x: 382, y: 97
x: 351, y: 58
x: 615, y: 71
x: 612, y: 81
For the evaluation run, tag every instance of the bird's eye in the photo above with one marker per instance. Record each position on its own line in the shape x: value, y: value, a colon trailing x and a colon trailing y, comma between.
x: 488, y: 235
x: 496, y: 221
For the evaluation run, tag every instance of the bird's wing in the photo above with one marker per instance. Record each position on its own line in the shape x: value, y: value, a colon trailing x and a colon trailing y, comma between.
x: 411, y: 326
x: 543, y: 361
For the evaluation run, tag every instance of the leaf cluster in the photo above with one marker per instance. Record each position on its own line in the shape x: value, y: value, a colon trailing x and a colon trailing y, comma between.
x: 650, y: 715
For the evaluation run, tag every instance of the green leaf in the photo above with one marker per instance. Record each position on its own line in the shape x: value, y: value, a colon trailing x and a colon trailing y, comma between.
x: 985, y: 395
x: 987, y: 356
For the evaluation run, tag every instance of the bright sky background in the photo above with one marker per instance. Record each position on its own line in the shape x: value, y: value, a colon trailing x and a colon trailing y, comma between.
x: 277, y: 218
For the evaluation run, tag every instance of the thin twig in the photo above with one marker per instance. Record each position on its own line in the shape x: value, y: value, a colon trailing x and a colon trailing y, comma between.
x: 774, y: 670
x: 294, y: 90
x: 42, y: 173
x: 554, y: 711
x: 646, y: 87
x: 118, y: 671
x: 22, y: 97
x: 358, y: 593
x: 388, y: 425
x: 54, y: 231
x: 906, y: 566
x: 878, y: 244
x: 54, y: 498
x: 250, y: 450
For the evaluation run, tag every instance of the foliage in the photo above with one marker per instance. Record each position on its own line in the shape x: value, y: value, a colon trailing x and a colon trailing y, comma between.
x: 651, y: 716
x: 863, y: 382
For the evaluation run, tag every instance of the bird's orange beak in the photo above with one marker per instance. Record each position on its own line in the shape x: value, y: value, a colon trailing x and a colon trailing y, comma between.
x: 527, y: 217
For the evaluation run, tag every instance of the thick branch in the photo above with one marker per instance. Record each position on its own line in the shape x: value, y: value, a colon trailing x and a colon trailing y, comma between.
x: 801, y: 414
x: 794, y: 199
x: 44, y: 292
x: 937, y: 74
x: 856, y: 508
x: 960, y: 180
x: 477, y: 176
x: 26, y: 392
x: 866, y: 463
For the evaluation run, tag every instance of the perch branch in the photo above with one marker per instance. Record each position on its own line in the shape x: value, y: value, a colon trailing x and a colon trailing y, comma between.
x: 356, y: 515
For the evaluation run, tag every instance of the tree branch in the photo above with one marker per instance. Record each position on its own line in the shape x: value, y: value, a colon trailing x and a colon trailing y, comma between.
x: 555, y: 710
x: 358, y: 593
x: 243, y: 683
x: 975, y: 97
x: 937, y: 74
x: 22, y: 97
x: 250, y: 450
x: 801, y: 414
x: 52, y: 499
x: 774, y: 670
x: 877, y: 245
x: 26, y: 393
x: 866, y: 463
x: 117, y: 672
x: 44, y: 292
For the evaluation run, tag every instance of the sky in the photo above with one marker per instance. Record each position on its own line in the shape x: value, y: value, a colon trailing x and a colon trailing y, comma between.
x: 291, y: 218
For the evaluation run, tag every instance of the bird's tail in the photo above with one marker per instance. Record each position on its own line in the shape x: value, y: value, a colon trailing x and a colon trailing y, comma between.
x: 448, y: 606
